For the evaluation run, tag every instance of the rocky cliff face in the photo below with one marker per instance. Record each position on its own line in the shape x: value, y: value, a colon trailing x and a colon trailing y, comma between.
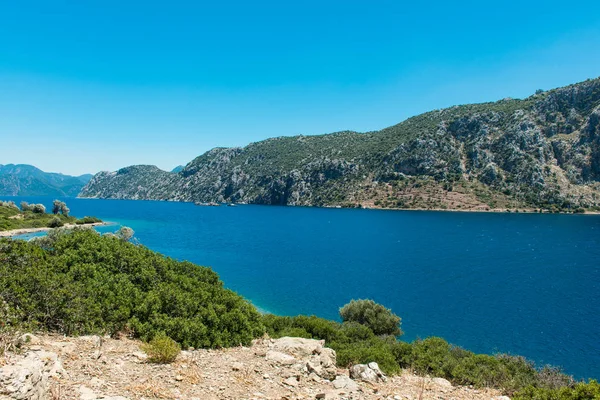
x: 539, y: 152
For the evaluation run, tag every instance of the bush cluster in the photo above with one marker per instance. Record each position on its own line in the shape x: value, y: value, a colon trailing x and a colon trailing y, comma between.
x: 580, y: 391
x: 355, y: 342
x: 30, y: 216
x: 81, y: 282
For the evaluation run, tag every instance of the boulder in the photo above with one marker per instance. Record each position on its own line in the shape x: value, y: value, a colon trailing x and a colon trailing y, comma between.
x: 280, y: 358
x: 25, y: 379
x: 324, y: 372
x: 344, y: 382
x: 327, y: 357
x: 367, y: 372
x: 299, y: 347
x: 28, y: 338
x: 442, y: 382
x: 291, y: 381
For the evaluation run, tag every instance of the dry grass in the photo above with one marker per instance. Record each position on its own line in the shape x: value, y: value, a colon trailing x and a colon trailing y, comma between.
x: 150, y: 388
x: 191, y: 374
x: 8, y: 341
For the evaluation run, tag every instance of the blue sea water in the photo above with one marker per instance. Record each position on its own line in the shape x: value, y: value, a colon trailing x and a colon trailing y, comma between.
x: 525, y: 284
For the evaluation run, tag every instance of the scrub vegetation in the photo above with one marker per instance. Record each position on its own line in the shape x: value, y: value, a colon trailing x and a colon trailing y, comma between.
x: 26, y: 216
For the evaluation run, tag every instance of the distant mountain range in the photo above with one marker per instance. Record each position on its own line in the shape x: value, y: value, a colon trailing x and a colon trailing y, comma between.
x: 27, y: 180
x: 543, y: 151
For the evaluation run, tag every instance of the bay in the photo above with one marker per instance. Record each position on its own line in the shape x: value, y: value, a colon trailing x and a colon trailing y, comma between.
x: 526, y: 284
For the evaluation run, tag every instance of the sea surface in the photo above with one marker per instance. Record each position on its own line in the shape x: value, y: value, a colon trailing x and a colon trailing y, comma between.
x: 525, y: 284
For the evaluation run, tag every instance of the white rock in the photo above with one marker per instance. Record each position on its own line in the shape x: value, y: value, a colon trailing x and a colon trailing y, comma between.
x: 280, y: 358
x: 322, y: 371
x: 327, y: 357
x: 314, y: 377
x: 237, y: 366
x: 297, y: 346
x: 139, y: 355
x: 442, y: 382
x: 85, y: 393
x: 367, y: 373
x: 291, y: 381
x: 344, y: 382
x: 27, y: 377
x: 29, y: 338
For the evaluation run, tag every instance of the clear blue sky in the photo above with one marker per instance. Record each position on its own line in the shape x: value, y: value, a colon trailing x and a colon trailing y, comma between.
x: 97, y: 85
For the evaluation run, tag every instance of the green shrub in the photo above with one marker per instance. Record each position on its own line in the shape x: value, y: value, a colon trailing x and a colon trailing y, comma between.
x: 479, y: 370
x: 162, y: 349
x: 88, y: 220
x: 433, y: 356
x: 579, y: 391
x: 402, y: 352
x: 381, y: 320
x: 553, y: 378
x: 364, y: 352
x: 55, y: 222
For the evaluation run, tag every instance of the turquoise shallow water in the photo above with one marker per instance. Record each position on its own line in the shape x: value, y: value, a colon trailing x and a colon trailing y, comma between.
x: 526, y: 284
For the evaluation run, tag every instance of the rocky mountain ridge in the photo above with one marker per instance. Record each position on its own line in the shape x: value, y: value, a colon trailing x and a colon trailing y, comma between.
x: 540, y: 152
x: 27, y: 180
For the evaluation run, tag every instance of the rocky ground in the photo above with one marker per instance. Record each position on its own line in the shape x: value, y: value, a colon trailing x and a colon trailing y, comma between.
x: 91, y: 367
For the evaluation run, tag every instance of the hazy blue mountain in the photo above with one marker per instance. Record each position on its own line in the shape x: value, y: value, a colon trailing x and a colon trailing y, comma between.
x: 178, y: 168
x: 542, y: 151
x: 27, y: 180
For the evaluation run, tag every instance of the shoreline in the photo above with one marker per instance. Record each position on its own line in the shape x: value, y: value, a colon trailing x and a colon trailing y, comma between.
x: 369, y: 207
x: 24, y: 231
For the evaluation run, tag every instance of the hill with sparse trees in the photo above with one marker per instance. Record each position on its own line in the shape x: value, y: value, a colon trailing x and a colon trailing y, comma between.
x: 542, y: 152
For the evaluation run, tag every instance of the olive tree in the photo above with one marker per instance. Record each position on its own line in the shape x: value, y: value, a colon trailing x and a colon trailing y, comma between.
x: 60, y: 207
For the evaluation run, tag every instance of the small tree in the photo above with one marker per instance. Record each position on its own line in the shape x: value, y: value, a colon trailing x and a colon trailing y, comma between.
x: 381, y: 320
x: 25, y: 206
x: 56, y: 206
x: 38, y: 208
x: 60, y: 207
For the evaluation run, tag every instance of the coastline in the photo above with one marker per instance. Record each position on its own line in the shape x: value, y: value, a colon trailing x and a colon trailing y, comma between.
x: 373, y: 207
x: 493, y: 210
x: 24, y: 231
